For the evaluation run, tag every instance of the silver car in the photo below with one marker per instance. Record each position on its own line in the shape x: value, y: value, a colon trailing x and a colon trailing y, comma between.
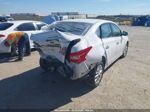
x: 81, y: 48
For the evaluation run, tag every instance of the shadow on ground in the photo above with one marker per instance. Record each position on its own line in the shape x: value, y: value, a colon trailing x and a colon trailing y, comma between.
x: 6, y: 58
x: 35, y: 89
x: 4, y: 55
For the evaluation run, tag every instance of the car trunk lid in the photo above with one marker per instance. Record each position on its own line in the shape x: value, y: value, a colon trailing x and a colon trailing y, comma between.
x: 54, y: 43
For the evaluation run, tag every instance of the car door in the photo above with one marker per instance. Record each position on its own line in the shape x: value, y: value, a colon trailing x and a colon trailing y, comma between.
x: 108, y: 42
x: 116, y: 34
x: 28, y: 28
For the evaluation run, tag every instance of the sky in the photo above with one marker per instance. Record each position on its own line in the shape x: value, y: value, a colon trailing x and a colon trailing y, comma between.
x: 103, y: 7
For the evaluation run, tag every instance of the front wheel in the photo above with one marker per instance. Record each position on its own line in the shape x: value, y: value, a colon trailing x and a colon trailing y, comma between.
x: 96, y: 75
x: 125, y: 51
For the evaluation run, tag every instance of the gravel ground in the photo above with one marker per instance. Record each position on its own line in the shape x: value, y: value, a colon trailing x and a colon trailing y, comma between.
x: 125, y: 85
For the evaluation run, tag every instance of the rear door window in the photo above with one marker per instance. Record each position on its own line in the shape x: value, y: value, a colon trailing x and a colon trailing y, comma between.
x: 26, y: 27
x: 5, y: 26
x: 105, y: 31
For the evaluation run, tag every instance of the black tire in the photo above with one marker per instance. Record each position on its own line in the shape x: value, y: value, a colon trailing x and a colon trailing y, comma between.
x: 96, y: 75
x: 125, y: 52
x: 45, y: 65
x: 14, y: 50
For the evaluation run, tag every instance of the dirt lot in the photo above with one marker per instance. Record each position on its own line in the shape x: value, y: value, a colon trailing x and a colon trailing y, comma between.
x: 125, y: 85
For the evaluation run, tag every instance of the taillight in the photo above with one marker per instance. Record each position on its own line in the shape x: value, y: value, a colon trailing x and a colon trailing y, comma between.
x: 2, y: 36
x: 80, y: 56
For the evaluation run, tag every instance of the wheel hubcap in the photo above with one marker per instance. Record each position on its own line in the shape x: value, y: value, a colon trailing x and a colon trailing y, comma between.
x: 125, y: 51
x: 98, y: 75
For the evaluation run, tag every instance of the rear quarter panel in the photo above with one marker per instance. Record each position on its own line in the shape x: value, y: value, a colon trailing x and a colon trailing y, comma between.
x: 92, y: 58
x: 97, y: 50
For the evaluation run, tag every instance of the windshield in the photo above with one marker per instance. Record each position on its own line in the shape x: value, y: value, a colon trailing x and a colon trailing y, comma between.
x: 76, y: 28
x: 5, y: 26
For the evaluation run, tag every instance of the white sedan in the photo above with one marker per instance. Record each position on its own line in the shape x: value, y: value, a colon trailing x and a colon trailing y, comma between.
x: 81, y: 48
x: 29, y: 27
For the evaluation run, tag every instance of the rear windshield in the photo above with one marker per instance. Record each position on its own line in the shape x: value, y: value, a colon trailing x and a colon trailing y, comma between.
x: 5, y: 26
x: 76, y: 28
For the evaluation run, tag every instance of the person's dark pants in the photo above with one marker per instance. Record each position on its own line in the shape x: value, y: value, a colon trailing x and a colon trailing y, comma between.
x: 24, y: 43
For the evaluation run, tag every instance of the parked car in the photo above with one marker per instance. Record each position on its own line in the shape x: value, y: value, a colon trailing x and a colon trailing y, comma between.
x: 81, y: 48
x: 141, y: 21
x: 2, y: 19
x: 8, y: 18
x: 5, y: 18
x: 29, y: 27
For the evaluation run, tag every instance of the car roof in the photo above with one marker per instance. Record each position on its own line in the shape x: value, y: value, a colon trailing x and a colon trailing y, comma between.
x: 21, y: 21
x: 92, y: 21
x: 16, y: 23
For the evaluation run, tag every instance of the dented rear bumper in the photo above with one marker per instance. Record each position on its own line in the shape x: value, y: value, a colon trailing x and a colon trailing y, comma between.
x: 71, y: 70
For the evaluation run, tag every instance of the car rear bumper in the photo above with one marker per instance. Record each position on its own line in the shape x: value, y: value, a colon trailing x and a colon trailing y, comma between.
x: 71, y: 70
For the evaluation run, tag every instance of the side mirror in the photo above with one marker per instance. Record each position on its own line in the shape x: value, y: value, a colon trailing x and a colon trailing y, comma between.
x: 124, y: 33
x: 44, y: 28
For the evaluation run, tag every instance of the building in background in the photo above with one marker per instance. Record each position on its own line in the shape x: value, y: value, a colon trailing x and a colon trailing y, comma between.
x: 64, y: 13
x: 69, y: 15
x: 92, y: 16
x: 23, y: 14
x: 26, y: 16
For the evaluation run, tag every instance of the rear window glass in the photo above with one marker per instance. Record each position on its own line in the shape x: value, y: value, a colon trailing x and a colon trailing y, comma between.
x: 77, y: 28
x: 5, y: 26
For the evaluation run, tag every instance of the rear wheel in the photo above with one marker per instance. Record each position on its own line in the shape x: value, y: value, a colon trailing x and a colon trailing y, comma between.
x: 14, y: 50
x: 96, y: 75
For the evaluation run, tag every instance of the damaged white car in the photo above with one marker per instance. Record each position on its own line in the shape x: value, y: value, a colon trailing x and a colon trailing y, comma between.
x: 81, y: 48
